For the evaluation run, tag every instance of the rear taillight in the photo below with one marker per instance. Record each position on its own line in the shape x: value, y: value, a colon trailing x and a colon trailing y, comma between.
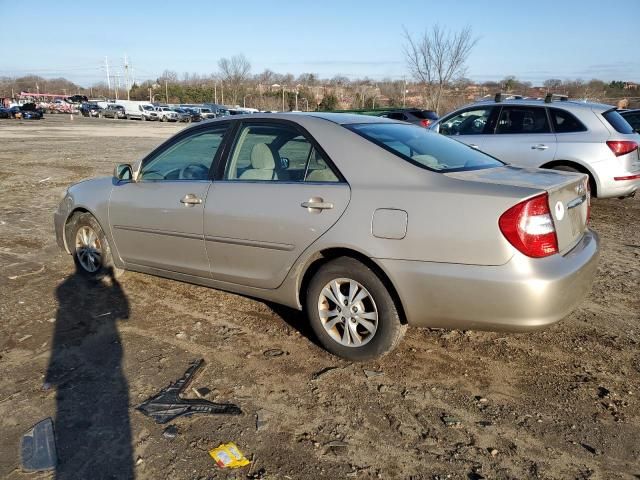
x: 529, y: 227
x: 425, y: 123
x: 622, y: 147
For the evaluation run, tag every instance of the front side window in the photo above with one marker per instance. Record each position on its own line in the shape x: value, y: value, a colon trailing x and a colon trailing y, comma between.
x: 470, y: 122
x: 424, y: 148
x: 277, y: 153
x: 523, y: 120
x: 188, y: 159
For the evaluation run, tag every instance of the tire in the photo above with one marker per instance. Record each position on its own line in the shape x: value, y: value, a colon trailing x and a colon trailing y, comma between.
x: 371, y: 297
x: 97, y: 261
x: 143, y: 118
x: 165, y: 119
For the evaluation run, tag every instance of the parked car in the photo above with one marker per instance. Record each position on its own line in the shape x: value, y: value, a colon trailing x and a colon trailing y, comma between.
x: 113, y: 111
x: 28, y: 111
x: 633, y: 118
x: 15, y: 112
x: 90, y: 110
x: 195, y: 115
x: 423, y: 118
x: 166, y: 114
x: 149, y: 113
x: 366, y: 223
x: 5, y: 113
x: 564, y: 135
x: 183, y: 115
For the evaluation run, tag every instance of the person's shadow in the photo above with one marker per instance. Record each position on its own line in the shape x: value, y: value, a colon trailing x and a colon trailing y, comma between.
x: 92, y: 429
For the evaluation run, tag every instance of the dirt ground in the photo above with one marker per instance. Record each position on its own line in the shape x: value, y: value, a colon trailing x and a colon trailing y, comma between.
x: 563, y: 403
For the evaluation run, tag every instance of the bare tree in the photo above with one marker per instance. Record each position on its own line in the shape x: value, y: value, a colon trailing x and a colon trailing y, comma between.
x: 437, y: 58
x: 234, y: 73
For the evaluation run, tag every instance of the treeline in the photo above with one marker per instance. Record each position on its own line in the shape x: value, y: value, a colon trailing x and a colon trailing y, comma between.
x: 272, y: 91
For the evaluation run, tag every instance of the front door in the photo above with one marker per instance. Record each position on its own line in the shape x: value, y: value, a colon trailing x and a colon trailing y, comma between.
x: 473, y: 126
x: 277, y: 195
x: 156, y: 221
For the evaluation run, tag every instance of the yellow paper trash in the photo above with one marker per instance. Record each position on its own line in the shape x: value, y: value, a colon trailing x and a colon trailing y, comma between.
x: 228, y: 455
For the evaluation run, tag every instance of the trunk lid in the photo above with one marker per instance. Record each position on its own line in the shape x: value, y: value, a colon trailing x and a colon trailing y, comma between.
x: 568, y: 195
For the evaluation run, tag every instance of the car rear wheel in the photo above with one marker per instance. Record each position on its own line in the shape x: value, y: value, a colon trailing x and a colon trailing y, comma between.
x: 90, y: 248
x: 351, y: 311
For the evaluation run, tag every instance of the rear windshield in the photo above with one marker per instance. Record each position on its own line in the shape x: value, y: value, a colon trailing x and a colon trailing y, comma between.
x: 617, y: 122
x: 424, y: 148
x: 425, y: 114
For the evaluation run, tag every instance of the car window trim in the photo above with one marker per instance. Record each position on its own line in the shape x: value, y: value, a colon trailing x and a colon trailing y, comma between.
x: 241, y: 123
x: 197, y: 130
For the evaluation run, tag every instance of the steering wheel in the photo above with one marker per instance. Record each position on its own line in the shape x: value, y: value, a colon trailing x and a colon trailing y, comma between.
x: 194, y: 171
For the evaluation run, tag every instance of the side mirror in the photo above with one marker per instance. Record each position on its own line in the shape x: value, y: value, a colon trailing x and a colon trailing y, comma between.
x: 436, y: 128
x: 284, y: 163
x: 123, y: 172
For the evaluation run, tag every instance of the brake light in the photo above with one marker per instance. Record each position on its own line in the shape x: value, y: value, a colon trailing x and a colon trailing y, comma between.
x: 425, y: 123
x: 622, y: 147
x: 528, y: 226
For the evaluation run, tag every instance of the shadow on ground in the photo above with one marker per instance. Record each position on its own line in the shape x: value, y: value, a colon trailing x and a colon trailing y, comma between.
x: 92, y: 427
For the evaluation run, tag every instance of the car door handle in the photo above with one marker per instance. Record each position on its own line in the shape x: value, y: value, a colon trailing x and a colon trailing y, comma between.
x: 191, y: 199
x: 316, y: 203
x: 539, y: 147
x: 473, y: 145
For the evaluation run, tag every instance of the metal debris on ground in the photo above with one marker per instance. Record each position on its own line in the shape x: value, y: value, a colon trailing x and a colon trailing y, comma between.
x: 168, y: 404
x: 38, y: 448
x: 228, y: 455
x: 201, y: 392
x: 170, y: 432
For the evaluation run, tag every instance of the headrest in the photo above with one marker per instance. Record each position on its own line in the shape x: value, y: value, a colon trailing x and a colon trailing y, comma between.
x: 262, y: 157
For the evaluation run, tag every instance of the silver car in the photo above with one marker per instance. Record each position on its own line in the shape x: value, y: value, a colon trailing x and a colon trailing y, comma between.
x: 366, y: 223
x: 565, y: 135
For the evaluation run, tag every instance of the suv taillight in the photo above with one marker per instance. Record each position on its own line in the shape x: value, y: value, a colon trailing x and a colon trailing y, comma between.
x: 622, y: 147
x: 529, y: 227
x: 425, y: 123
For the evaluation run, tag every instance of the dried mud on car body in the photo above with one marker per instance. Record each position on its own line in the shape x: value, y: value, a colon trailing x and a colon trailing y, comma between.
x: 557, y: 404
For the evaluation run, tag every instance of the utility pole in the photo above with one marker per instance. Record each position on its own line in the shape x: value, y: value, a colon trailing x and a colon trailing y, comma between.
x: 127, y: 83
x: 106, y: 64
x: 296, y: 99
x: 117, y: 84
x: 166, y: 90
x: 404, y: 93
x: 283, y: 98
x: 222, y: 88
x: 215, y: 92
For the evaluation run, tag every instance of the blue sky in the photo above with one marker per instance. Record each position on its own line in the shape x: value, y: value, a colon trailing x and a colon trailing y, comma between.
x: 543, y: 39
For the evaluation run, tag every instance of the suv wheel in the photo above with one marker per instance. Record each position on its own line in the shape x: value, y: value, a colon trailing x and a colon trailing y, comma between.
x: 351, y: 311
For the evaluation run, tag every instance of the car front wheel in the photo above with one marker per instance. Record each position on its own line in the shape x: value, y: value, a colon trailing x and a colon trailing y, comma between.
x: 351, y: 311
x: 90, y: 247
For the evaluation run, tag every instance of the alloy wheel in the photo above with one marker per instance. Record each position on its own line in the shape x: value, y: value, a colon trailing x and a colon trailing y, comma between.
x: 348, y: 312
x: 88, y: 249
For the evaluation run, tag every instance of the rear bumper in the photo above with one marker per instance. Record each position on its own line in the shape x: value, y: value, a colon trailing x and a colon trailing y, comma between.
x: 524, y: 294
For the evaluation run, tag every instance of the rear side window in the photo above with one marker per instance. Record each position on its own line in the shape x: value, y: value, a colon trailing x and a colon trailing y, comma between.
x: 397, y: 116
x: 565, y: 122
x: 523, y: 120
x: 633, y: 119
x: 616, y: 120
x: 424, y: 148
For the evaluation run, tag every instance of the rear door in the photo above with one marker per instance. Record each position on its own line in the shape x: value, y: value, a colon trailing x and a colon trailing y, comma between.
x: 473, y: 126
x: 157, y: 221
x: 275, y: 195
x: 522, y: 136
